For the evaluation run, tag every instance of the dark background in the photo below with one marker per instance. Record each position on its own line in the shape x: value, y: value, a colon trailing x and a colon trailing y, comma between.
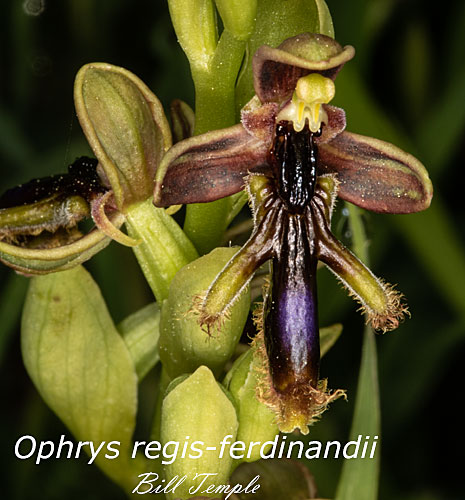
x: 406, y: 84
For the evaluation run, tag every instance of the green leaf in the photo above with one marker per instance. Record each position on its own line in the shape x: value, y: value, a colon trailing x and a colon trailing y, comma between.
x: 328, y: 337
x: 360, y: 476
x: 140, y: 332
x: 80, y: 364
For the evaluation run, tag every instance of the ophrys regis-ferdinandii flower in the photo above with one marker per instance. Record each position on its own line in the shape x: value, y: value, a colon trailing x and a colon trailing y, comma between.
x: 292, y: 154
x: 127, y: 129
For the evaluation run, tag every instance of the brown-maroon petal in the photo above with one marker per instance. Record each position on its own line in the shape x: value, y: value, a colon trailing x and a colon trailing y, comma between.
x: 209, y: 166
x: 276, y: 71
x: 336, y: 124
x: 182, y: 119
x: 376, y: 175
x: 260, y: 119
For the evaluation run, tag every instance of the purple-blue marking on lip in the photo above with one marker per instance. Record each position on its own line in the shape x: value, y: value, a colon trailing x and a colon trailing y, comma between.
x: 291, y: 315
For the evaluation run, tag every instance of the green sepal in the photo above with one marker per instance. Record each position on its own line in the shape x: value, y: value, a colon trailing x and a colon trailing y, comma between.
x: 184, y: 344
x: 126, y: 127
x: 81, y: 366
x: 32, y: 261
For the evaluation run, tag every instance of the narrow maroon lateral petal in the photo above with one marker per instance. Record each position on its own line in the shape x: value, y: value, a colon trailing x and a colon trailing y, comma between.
x: 336, y: 124
x: 182, y: 118
x: 376, y: 175
x: 209, y: 166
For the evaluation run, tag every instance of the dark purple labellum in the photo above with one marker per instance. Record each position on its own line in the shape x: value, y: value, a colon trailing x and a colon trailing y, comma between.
x: 291, y: 316
x: 290, y: 311
x: 44, y: 213
x: 293, y: 159
x: 81, y: 180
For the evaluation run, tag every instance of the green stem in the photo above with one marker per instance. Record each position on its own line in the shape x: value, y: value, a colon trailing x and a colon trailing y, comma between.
x: 359, y: 478
x: 215, y: 85
x: 214, y: 109
x: 163, y: 247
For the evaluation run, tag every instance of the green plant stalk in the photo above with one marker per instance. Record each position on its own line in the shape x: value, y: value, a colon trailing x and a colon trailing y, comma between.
x: 359, y: 478
x: 163, y: 247
x: 214, y: 109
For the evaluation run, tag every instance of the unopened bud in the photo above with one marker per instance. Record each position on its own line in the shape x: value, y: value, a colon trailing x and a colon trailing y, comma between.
x: 184, y: 344
x: 256, y: 421
x: 199, y: 418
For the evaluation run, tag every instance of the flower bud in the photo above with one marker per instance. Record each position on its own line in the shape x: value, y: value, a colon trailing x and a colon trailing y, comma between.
x: 39, y: 219
x: 195, y: 25
x: 184, y: 344
x: 238, y: 16
x: 278, y: 479
x: 198, y: 410
x: 256, y: 421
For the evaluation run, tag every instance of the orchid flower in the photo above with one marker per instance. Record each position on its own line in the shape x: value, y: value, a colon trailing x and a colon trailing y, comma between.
x: 293, y: 156
x: 127, y: 129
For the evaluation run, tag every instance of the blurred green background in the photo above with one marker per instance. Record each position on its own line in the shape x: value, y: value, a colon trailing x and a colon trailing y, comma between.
x: 406, y: 85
